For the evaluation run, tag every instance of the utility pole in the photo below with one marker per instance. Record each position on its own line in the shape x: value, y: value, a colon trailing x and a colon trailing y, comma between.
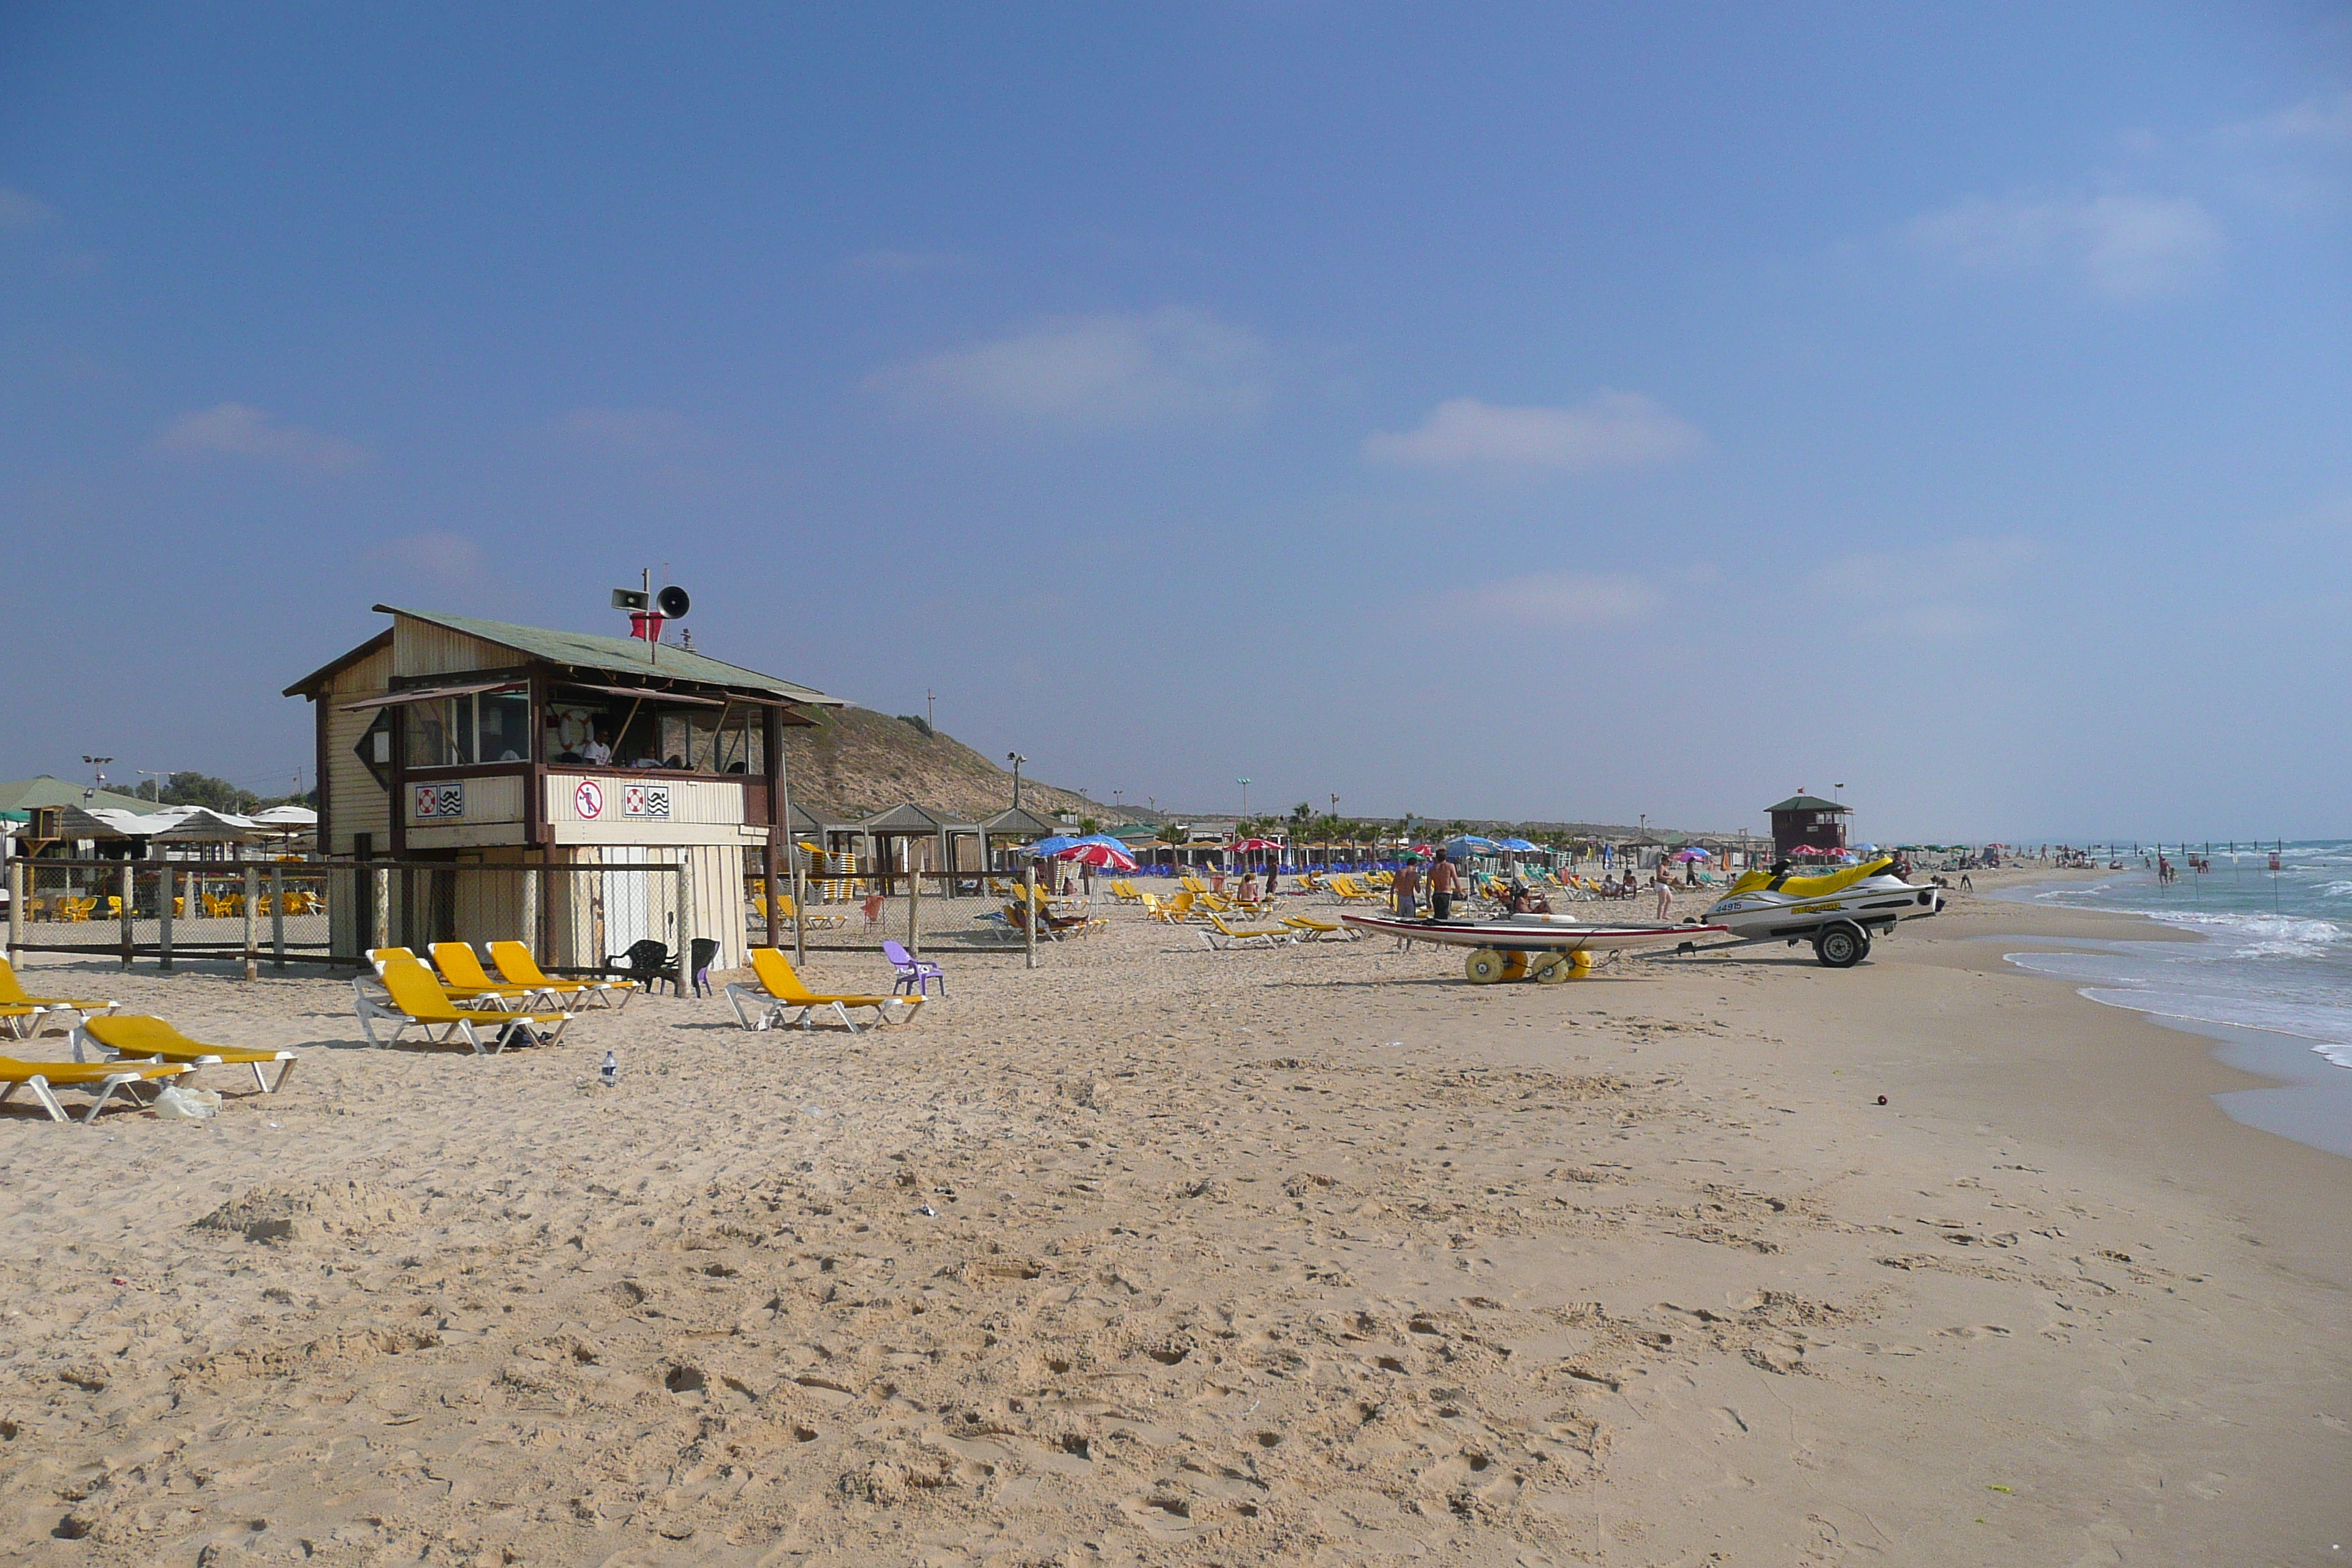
x: 1244, y: 783
x: 930, y: 708
x: 97, y: 777
x: 1016, y: 759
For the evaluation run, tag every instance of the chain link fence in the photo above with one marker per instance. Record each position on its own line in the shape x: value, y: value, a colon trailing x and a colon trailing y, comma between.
x: 927, y: 912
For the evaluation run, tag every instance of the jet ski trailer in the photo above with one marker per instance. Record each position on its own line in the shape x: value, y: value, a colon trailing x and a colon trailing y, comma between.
x: 1837, y: 911
x: 1545, y: 948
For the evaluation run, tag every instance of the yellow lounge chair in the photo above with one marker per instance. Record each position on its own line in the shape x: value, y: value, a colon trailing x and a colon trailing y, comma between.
x: 1222, y: 937
x: 464, y: 995
x: 518, y: 967
x: 1348, y: 891
x: 1312, y: 930
x: 19, y: 1013
x: 414, y: 999
x: 781, y: 990
x: 463, y: 976
x: 104, y: 1077
x: 127, y: 1036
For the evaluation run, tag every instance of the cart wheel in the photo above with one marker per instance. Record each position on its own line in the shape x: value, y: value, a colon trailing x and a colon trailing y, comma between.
x: 1841, y: 946
x: 1483, y: 967
x: 1515, y: 967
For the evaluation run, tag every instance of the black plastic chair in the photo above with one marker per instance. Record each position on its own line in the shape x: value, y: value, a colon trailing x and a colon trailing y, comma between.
x: 650, y: 963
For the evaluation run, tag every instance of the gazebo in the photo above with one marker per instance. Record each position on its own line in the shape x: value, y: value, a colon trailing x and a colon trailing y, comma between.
x: 911, y: 824
x: 1019, y: 825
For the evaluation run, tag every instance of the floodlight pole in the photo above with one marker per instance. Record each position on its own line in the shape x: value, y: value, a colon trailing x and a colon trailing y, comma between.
x: 1016, y: 759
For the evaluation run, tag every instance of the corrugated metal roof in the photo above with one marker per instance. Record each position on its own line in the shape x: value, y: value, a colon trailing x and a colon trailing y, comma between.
x: 23, y: 794
x: 619, y: 655
x: 913, y: 818
x: 1807, y: 803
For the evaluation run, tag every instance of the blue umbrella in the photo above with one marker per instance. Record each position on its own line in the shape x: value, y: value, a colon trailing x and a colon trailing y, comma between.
x: 1054, y: 846
x: 1520, y: 845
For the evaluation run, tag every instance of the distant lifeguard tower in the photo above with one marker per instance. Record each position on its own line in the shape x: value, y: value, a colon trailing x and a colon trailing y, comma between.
x: 1807, y: 821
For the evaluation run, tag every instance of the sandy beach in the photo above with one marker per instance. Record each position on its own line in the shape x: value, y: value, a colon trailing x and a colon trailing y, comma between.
x: 1161, y: 1255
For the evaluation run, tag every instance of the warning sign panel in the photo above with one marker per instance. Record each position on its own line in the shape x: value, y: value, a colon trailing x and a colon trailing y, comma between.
x: 643, y: 800
x: 588, y: 800
x: 437, y: 801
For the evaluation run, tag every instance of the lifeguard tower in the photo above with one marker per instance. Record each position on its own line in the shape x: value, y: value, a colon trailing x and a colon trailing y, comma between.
x: 1808, y: 822
x: 448, y: 740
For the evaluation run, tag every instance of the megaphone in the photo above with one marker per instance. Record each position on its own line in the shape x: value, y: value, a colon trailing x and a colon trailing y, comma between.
x: 672, y: 603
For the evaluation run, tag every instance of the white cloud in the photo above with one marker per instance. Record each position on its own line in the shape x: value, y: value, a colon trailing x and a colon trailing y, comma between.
x: 236, y: 429
x: 1614, y: 429
x: 18, y: 210
x: 642, y: 432
x: 450, y: 558
x: 2321, y: 119
x: 1950, y: 567
x: 2125, y: 247
x: 1560, y: 599
x: 1172, y: 366
x: 1928, y: 593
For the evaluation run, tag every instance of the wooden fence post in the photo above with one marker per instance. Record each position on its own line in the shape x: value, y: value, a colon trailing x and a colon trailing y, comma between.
x: 1029, y: 912
x: 165, y: 891
x: 252, y: 895
x: 129, y: 880
x: 16, y: 910
x: 381, y: 935
x: 800, y: 912
x: 277, y: 916
x: 914, y: 907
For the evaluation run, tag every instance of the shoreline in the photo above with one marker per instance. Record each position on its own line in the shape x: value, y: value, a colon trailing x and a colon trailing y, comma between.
x: 2304, y: 1095
x: 1158, y: 1255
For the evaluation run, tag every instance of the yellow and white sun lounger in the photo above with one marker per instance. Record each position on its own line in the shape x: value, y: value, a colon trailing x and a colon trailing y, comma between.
x: 20, y: 1015
x: 1312, y: 930
x: 781, y: 991
x: 44, y: 1079
x: 415, y: 1000
x: 127, y: 1036
x: 1222, y: 937
x: 518, y: 967
x: 463, y: 976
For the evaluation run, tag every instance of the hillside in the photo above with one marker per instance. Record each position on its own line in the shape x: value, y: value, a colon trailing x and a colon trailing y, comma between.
x: 857, y: 762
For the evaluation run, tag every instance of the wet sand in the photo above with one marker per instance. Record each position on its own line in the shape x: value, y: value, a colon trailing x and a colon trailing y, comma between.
x: 1160, y: 1256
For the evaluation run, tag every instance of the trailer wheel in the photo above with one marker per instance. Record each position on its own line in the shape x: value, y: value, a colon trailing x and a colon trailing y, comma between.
x: 1561, y: 967
x: 1483, y: 967
x: 1515, y: 965
x: 1841, y: 946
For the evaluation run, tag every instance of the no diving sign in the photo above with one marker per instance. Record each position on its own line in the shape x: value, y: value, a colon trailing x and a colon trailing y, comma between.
x: 588, y: 800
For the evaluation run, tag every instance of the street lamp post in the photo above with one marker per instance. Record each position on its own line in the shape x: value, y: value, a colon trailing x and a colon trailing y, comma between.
x: 1016, y: 759
x: 1244, y: 783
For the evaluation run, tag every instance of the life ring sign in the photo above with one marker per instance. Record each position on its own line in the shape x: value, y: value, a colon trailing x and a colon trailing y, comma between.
x: 588, y: 800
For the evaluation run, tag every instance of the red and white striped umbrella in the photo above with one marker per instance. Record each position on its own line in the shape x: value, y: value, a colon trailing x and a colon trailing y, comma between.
x: 1091, y: 854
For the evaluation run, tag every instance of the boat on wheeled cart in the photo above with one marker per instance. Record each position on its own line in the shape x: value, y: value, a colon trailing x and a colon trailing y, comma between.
x: 1546, y: 949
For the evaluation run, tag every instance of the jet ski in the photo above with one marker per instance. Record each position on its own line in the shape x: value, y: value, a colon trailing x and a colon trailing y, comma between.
x: 1837, y: 911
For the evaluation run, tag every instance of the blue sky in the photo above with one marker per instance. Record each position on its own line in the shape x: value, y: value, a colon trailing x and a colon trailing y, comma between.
x: 1553, y: 412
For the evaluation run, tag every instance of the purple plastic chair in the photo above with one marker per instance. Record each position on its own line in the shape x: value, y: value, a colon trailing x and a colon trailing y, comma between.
x: 912, y: 970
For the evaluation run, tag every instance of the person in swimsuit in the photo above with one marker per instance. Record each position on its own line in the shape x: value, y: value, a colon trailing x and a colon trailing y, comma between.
x: 1444, y: 879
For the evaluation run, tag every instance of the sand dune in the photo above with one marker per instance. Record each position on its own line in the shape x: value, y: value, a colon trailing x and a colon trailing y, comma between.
x: 1161, y: 1255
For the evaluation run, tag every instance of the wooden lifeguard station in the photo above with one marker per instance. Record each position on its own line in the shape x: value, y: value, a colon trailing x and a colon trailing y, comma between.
x: 450, y: 740
x: 1810, y: 822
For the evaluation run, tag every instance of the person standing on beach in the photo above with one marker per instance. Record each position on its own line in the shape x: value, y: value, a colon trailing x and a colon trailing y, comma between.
x: 1443, y: 882
x: 1407, y: 889
x: 1665, y: 895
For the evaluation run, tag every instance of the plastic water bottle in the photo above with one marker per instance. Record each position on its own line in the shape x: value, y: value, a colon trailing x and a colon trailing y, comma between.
x: 612, y: 1073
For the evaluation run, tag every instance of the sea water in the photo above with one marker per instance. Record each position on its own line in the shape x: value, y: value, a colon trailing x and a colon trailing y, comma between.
x: 2270, y: 972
